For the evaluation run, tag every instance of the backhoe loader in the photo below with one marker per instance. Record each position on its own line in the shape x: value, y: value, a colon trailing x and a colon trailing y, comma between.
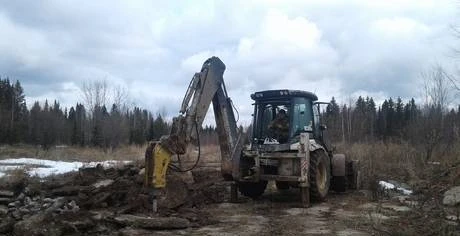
x: 297, y: 157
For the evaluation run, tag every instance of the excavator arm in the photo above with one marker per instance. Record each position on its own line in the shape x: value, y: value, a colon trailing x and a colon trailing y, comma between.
x: 206, y: 87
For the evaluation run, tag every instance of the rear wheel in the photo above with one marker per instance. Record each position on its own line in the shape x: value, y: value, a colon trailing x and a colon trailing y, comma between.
x: 251, y: 189
x: 320, y: 175
x: 339, y: 183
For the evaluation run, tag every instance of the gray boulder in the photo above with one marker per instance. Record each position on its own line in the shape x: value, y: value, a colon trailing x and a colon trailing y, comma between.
x: 34, y: 225
x: 3, y: 210
x: 152, y: 222
x: 452, y: 196
x: 6, y: 193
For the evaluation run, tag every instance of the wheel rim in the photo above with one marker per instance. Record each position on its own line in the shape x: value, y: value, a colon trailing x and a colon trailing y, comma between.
x: 321, y: 176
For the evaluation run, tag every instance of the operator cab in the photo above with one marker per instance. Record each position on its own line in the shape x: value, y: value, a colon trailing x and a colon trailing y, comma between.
x: 302, y: 115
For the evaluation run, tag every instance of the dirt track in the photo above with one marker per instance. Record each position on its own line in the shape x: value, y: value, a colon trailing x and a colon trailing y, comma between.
x: 280, y: 214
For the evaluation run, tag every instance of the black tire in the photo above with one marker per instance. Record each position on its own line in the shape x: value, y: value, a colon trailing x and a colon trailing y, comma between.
x: 280, y: 185
x: 252, y: 190
x: 339, y: 183
x: 320, y: 175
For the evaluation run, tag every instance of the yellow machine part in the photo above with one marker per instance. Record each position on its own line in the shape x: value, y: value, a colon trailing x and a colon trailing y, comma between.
x: 161, y: 158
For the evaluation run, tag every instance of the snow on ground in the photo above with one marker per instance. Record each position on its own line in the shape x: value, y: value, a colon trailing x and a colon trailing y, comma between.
x: 389, y: 186
x: 44, y: 168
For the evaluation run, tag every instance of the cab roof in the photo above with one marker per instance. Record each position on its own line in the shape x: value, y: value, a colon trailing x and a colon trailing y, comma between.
x: 282, y: 93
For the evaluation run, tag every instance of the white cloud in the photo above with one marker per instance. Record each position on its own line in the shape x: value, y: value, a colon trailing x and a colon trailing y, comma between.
x: 333, y: 48
x: 289, y: 34
x: 400, y: 28
x: 285, y: 52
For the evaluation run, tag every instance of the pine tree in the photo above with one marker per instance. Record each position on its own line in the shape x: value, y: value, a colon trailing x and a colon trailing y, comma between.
x: 72, y: 120
x: 35, y: 124
x: 399, y: 116
x: 332, y: 120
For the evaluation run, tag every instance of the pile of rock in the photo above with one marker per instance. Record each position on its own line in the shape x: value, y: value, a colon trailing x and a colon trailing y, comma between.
x: 6, y: 197
x: 103, y: 201
x: 17, y: 207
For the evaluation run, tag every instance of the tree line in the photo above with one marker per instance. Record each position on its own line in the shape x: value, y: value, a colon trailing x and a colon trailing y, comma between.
x: 431, y: 125
x: 49, y: 124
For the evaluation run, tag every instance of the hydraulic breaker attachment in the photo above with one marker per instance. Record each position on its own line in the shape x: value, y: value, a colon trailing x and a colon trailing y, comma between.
x: 157, y: 159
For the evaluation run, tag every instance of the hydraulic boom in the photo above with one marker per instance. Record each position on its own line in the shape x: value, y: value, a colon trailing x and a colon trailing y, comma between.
x: 206, y: 87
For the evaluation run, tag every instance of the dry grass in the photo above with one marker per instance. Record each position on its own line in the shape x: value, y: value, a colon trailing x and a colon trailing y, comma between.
x: 16, y: 180
x: 428, y: 178
x: 401, y: 161
x: 210, y: 154
x: 209, y: 157
x: 379, y: 160
x: 69, y: 153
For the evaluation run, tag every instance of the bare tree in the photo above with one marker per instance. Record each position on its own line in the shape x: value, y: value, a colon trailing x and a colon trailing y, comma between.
x: 107, y: 104
x: 455, y: 80
x: 437, y: 94
x: 120, y: 97
x: 456, y: 34
x: 436, y: 88
x: 350, y: 116
x: 95, y: 93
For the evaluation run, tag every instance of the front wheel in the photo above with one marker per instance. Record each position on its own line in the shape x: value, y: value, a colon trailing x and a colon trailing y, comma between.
x: 320, y: 175
x: 251, y: 189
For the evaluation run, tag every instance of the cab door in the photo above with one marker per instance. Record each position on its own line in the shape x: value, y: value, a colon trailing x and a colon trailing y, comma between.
x: 320, y: 132
x: 317, y: 132
x: 301, y: 116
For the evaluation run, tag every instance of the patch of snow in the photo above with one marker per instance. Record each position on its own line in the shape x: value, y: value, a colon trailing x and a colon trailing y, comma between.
x: 378, y: 216
x: 395, y: 207
x: 350, y: 232
x: 390, y: 186
x: 434, y: 163
x: 317, y: 231
x: 451, y: 217
x: 103, y: 183
x: 44, y: 168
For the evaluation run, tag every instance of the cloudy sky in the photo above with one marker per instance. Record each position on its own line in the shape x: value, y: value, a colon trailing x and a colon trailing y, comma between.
x: 152, y: 48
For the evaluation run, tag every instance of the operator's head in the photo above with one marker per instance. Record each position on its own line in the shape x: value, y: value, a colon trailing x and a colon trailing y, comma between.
x: 282, y: 113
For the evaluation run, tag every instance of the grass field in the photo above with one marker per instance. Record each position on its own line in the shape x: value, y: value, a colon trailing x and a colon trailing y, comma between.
x: 399, y: 161
x: 70, y: 153
x: 404, y: 162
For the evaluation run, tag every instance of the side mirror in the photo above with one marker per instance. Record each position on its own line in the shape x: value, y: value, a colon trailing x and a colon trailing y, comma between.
x: 323, y: 127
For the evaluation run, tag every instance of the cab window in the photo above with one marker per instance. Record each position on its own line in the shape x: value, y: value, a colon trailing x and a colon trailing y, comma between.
x: 301, y: 116
x: 265, y: 114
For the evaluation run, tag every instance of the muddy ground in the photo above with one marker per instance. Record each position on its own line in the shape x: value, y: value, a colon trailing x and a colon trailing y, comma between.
x: 98, y: 201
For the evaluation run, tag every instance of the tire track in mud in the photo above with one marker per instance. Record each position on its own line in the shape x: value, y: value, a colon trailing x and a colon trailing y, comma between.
x: 279, y: 214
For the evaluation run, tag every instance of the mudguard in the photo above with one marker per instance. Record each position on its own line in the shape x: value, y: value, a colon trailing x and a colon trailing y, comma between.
x: 315, y: 146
